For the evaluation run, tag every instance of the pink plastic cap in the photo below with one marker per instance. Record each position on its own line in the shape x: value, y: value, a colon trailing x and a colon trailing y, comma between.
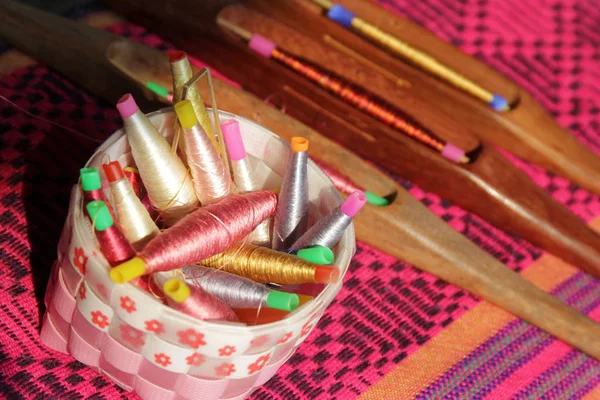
x: 451, y: 152
x: 353, y: 203
x: 262, y: 45
x: 127, y: 106
x: 233, y: 139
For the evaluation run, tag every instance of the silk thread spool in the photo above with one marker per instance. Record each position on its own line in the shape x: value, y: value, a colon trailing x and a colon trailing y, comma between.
x: 205, y: 232
x: 328, y: 230
x: 262, y: 264
x: 367, y: 102
x: 91, y: 185
x: 291, y: 219
x: 133, y: 176
x: 196, y: 302
x: 113, y: 244
x: 348, y: 19
x: 134, y: 220
x: 237, y: 291
x: 243, y: 174
x: 182, y: 73
x: 346, y: 185
x: 165, y: 177
x: 211, y: 181
x: 352, y: 94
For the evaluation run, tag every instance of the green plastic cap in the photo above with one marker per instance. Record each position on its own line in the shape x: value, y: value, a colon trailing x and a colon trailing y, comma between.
x: 282, y: 301
x: 100, y: 216
x: 90, y: 179
x: 317, y: 255
x: 375, y: 200
x: 158, y: 89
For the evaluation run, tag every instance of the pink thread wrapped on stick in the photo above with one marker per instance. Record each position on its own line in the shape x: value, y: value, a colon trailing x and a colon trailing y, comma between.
x: 207, y: 231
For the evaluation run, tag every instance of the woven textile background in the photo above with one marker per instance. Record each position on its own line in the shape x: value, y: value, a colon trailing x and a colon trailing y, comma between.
x: 393, y: 331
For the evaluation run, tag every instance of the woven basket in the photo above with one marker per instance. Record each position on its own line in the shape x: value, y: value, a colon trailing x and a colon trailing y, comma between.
x: 149, y: 348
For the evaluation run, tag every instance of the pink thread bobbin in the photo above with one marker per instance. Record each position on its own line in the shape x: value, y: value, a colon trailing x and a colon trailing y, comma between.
x: 233, y: 139
x: 353, y: 203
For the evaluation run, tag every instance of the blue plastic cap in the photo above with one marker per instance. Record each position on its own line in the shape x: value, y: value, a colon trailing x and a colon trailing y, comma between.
x: 341, y: 15
x: 499, y: 103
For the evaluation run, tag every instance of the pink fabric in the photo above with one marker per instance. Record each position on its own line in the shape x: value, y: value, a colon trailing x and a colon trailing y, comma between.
x: 239, y: 387
x: 71, y: 277
x: 59, y: 323
x: 51, y: 337
x: 63, y: 301
x: 149, y: 391
x: 122, y: 377
x: 535, y: 367
x: 121, y: 357
x: 160, y: 377
x: 551, y: 50
x: 192, y: 388
x: 87, y: 331
x: 82, y: 350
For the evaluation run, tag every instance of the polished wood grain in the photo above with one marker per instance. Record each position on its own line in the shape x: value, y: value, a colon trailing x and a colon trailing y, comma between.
x: 426, y: 41
x: 405, y: 229
x: 527, y: 130
x: 315, y: 50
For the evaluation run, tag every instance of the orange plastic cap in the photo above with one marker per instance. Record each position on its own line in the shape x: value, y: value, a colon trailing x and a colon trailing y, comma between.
x: 325, y: 274
x: 113, y: 171
x: 299, y: 144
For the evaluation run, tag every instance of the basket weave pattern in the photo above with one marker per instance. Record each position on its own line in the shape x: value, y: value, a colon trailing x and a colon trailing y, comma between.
x: 149, y: 348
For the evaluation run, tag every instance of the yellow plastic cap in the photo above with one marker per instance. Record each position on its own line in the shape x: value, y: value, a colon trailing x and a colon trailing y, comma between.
x: 185, y: 114
x: 299, y: 144
x: 177, y: 290
x: 128, y: 271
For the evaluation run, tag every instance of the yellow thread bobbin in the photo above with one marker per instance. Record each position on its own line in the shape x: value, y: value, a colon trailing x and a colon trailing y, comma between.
x: 423, y: 60
x: 262, y: 264
x: 182, y: 73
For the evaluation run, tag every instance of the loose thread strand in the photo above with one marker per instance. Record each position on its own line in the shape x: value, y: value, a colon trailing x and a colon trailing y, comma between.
x: 18, y: 107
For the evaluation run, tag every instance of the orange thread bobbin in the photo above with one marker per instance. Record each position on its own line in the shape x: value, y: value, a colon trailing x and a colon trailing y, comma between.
x: 358, y: 97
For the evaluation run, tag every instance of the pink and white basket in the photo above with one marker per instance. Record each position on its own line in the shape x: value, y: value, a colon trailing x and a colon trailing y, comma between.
x: 149, y: 348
